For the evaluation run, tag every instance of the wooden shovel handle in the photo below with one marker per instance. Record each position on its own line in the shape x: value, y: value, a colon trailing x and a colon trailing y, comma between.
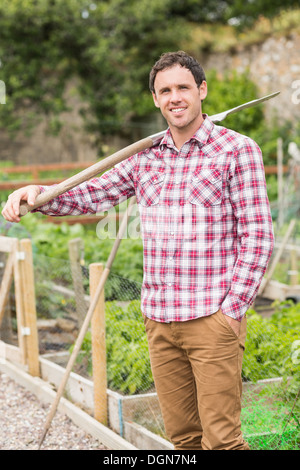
x: 117, y: 157
x: 87, y: 174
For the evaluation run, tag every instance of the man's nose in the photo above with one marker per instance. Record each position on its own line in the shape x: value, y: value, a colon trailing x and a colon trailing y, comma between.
x: 175, y: 96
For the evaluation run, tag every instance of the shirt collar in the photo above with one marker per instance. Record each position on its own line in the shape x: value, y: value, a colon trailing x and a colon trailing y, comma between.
x: 201, y: 136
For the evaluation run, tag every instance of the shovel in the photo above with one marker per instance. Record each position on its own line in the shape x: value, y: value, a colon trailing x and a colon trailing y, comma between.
x: 119, y: 156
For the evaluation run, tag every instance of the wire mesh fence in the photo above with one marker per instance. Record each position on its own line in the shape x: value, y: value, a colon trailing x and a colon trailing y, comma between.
x: 271, y: 410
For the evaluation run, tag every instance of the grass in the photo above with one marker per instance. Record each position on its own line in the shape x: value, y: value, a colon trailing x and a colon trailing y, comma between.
x: 269, y: 423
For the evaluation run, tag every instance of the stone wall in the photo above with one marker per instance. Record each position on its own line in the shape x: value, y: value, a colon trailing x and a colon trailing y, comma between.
x: 274, y: 65
x: 71, y: 145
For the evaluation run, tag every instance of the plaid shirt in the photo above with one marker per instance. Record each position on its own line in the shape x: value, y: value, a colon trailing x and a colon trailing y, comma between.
x: 205, y: 218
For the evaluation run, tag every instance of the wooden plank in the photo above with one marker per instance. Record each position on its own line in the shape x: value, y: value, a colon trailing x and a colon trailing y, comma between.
x: 144, y: 439
x: 75, y: 249
x: 79, y: 390
x: 280, y: 182
x: 7, y: 244
x: 272, y: 169
x: 44, y: 393
x: 20, y: 267
x: 11, y: 245
x: 28, y: 291
x: 47, y: 167
x: 13, y: 185
x: 277, y: 257
x: 98, y: 347
x: 293, y: 272
x: 35, y: 170
x: 6, y: 284
x: 81, y: 219
x: 269, y: 169
x: 11, y: 353
x: 275, y: 290
x: 19, y: 303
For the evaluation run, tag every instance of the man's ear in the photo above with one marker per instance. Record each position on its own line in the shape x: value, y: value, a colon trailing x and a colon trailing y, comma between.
x: 155, y: 100
x: 203, y: 90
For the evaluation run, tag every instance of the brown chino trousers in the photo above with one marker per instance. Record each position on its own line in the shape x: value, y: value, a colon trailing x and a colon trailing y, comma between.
x: 196, y: 367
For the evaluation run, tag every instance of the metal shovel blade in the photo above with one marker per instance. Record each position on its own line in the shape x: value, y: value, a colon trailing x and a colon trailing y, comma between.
x: 219, y: 117
x: 156, y: 138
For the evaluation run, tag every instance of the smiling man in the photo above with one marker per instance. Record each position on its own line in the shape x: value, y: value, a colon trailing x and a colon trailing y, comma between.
x: 207, y: 238
x: 179, y: 98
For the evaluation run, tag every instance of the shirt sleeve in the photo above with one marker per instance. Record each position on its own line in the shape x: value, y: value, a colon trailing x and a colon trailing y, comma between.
x: 248, y: 195
x: 95, y: 195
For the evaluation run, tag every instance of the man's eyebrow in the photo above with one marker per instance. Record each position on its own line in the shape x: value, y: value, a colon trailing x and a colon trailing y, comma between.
x: 179, y: 85
x: 165, y: 88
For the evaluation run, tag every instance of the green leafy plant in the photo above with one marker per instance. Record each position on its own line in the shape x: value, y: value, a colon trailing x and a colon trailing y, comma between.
x: 128, y: 364
x: 269, y: 344
x: 127, y: 349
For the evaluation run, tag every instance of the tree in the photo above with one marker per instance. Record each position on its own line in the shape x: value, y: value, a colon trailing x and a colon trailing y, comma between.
x: 108, y: 45
x: 246, y: 12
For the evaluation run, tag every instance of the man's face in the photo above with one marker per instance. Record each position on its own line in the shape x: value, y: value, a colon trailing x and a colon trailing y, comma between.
x: 179, y: 98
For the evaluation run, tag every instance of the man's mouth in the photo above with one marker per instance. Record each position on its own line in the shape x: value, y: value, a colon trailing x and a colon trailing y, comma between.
x: 177, y: 110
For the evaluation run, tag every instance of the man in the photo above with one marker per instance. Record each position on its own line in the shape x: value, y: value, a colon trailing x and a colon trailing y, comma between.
x: 207, y: 236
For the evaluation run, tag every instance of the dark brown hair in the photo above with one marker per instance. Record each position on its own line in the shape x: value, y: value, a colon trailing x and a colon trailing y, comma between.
x: 169, y: 59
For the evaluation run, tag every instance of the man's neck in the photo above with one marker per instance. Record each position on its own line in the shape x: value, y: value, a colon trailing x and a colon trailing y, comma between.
x: 180, y: 136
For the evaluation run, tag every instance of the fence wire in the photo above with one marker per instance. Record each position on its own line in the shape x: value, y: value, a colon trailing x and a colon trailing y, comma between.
x: 271, y: 410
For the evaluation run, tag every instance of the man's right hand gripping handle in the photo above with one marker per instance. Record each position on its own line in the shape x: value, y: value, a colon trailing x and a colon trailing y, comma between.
x: 11, y: 210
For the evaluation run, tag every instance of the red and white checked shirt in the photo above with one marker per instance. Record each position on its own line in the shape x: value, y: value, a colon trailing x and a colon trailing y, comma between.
x: 205, y: 217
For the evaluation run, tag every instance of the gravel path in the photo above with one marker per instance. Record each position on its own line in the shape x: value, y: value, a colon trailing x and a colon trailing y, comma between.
x: 22, y: 420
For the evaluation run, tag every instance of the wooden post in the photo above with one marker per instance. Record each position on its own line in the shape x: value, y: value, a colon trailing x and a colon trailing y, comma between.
x: 6, y: 277
x: 277, y: 257
x: 294, y: 274
x: 6, y: 282
x: 75, y: 247
x: 280, y: 195
x: 19, y: 300
x: 19, y: 266
x: 98, y: 347
x: 29, y: 330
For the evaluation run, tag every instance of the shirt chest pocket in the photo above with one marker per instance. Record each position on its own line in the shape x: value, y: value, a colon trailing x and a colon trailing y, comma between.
x: 206, y: 187
x: 149, y: 186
